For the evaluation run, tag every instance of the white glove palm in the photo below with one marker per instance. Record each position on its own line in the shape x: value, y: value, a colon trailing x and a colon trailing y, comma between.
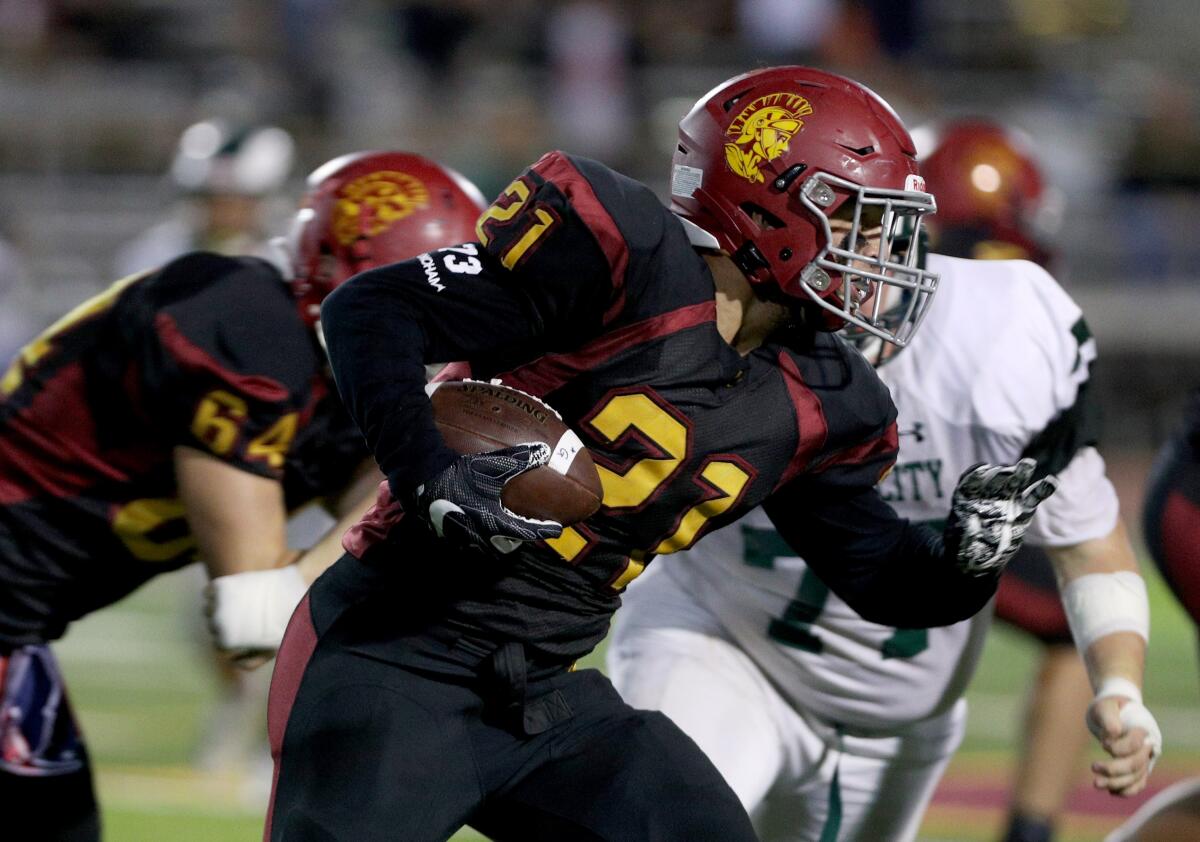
x: 249, y: 612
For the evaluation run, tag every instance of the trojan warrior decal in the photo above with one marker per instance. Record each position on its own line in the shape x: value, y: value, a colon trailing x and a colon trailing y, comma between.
x: 762, y: 131
x: 368, y: 205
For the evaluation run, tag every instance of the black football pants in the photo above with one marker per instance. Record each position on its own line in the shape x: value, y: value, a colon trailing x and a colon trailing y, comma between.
x: 375, y: 751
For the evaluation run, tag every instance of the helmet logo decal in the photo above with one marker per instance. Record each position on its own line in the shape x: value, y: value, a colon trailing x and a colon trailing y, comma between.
x: 762, y: 131
x: 371, y: 203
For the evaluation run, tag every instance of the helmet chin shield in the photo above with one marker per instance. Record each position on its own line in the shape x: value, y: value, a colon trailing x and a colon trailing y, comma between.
x: 858, y: 282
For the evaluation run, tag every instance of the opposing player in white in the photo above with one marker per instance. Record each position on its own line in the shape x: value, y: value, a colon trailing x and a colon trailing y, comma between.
x: 829, y: 727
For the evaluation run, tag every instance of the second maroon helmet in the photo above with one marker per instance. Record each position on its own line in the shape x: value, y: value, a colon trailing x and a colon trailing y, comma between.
x: 368, y: 209
x: 768, y: 160
x: 992, y: 199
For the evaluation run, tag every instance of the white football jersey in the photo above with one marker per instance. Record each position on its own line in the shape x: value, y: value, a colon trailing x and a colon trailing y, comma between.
x: 994, y: 373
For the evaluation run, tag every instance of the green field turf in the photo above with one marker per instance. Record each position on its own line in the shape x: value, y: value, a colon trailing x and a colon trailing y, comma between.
x: 141, y: 687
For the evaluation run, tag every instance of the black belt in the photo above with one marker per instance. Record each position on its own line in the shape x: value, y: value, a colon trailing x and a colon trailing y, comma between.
x: 502, y: 674
x: 506, y: 677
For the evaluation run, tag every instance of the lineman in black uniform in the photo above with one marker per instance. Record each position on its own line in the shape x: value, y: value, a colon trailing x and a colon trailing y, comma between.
x: 425, y: 680
x: 179, y: 415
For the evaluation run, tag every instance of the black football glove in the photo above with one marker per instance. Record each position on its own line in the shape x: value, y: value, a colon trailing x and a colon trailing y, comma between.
x: 462, y: 503
x: 990, y: 511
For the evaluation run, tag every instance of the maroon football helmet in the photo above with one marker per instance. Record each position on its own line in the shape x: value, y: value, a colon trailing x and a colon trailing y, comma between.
x: 992, y: 199
x: 368, y: 209
x: 770, y: 163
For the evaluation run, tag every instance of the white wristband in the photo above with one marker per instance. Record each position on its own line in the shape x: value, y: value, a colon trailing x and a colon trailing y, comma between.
x: 1100, y: 604
x: 1117, y: 686
x: 1133, y: 713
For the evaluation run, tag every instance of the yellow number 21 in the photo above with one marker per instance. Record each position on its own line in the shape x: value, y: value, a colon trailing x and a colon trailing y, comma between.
x: 723, y: 478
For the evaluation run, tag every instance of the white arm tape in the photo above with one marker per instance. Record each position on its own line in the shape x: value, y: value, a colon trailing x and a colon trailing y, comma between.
x: 1117, y: 686
x: 1134, y: 714
x: 1100, y: 604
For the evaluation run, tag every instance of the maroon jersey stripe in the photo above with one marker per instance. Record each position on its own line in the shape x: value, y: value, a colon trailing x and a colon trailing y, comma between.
x: 811, y: 427
x: 49, y: 446
x: 375, y: 524
x: 194, y: 357
x: 889, y: 442
x: 556, y: 168
x: 547, y: 373
x: 299, y: 643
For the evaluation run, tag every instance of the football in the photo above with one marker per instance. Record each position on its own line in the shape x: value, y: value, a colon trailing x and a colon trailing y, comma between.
x: 475, y: 417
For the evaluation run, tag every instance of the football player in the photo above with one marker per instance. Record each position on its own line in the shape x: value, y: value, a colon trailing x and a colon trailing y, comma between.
x: 225, y: 175
x: 1171, y: 524
x: 425, y: 681
x: 177, y: 416
x: 829, y: 726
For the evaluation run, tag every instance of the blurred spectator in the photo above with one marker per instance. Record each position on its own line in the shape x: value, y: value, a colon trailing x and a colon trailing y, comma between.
x: 225, y: 174
x: 1165, y: 149
x: 433, y: 32
x: 1161, y: 168
x: 868, y: 33
x: 897, y: 24
x: 24, y: 26
x: 120, y: 31
x: 590, y: 49
x: 307, y: 25
x: 782, y: 30
x: 692, y: 31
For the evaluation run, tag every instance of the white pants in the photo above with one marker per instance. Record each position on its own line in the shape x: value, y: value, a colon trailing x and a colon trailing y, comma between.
x: 801, y: 779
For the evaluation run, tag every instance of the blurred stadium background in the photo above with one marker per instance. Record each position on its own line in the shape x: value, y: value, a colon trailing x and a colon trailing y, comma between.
x: 95, y: 95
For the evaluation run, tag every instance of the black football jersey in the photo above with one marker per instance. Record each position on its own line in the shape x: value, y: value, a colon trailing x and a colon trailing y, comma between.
x: 585, y: 291
x: 1191, y: 421
x: 208, y: 352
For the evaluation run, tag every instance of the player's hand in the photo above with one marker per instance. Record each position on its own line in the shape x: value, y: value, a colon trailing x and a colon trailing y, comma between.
x: 990, y: 511
x: 1129, y: 733
x: 462, y: 503
x: 249, y: 612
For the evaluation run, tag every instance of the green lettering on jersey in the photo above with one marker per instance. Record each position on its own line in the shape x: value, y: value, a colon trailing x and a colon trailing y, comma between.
x: 761, y: 547
x: 914, y: 482
x: 905, y: 643
x: 794, y: 627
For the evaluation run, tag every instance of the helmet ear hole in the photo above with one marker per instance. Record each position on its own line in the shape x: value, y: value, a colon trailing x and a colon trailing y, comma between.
x: 762, y: 217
